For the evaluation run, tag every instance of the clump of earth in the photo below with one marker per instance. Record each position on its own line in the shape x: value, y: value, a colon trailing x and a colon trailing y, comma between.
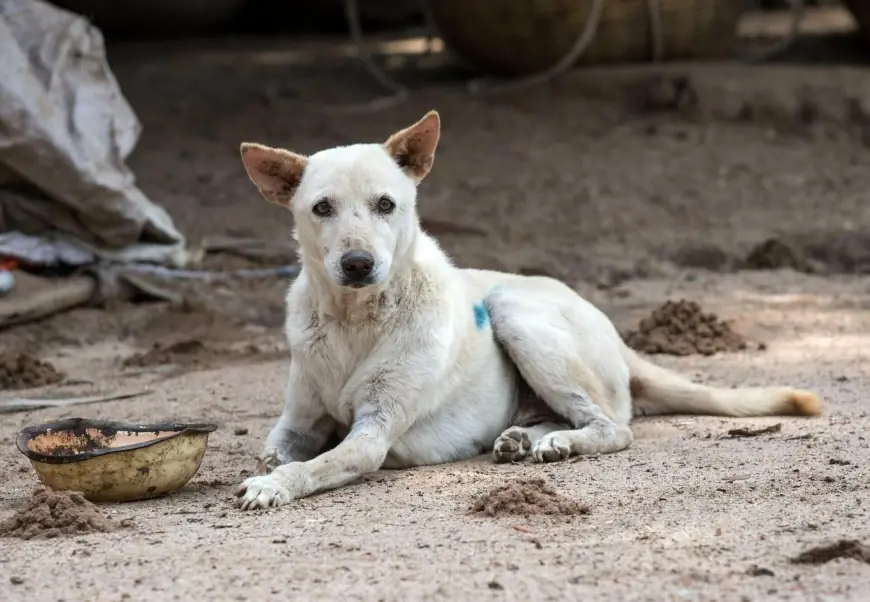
x: 24, y: 371
x: 683, y: 328
x: 49, y: 514
x: 526, y: 497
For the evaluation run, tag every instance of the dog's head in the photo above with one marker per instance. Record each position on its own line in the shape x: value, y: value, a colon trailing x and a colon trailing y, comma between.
x: 354, y: 206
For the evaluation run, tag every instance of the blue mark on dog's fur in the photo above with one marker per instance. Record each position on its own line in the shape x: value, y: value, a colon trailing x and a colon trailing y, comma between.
x: 481, y: 315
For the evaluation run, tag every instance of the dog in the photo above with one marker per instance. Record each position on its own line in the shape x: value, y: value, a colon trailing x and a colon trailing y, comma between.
x: 405, y: 360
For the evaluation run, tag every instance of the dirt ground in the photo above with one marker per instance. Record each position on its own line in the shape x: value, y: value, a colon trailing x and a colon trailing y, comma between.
x: 630, y: 202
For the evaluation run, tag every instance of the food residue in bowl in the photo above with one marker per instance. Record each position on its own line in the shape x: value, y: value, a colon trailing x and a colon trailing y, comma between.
x: 67, y: 443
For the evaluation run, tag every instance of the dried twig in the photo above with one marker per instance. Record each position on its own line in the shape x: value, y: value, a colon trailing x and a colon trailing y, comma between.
x: 747, y: 432
x: 26, y: 405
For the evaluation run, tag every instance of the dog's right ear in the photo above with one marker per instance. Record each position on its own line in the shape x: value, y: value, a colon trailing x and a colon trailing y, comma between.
x: 276, y: 172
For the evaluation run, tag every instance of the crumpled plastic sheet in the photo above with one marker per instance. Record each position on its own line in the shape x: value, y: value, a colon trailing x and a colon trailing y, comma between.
x: 44, y: 251
x: 65, y: 133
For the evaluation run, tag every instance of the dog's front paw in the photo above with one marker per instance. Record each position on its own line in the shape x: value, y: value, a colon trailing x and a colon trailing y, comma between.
x: 261, y: 492
x: 512, y: 445
x: 551, y: 448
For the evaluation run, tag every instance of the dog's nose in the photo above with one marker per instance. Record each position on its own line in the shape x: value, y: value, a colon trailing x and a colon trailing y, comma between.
x: 357, y: 265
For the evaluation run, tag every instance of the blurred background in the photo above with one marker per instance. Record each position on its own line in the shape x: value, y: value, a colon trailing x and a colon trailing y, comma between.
x: 605, y: 143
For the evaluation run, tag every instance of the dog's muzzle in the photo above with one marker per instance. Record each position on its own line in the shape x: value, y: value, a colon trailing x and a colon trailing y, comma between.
x: 357, y: 268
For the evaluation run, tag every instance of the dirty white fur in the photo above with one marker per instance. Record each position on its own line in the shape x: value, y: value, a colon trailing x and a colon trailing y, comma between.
x: 429, y: 363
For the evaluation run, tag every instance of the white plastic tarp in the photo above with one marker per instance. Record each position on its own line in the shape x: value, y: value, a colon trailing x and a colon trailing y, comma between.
x: 65, y: 133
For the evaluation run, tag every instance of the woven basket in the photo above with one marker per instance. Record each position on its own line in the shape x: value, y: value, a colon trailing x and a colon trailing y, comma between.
x: 521, y: 37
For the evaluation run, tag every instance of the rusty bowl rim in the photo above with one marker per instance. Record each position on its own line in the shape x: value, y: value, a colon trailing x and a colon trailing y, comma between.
x: 28, y: 433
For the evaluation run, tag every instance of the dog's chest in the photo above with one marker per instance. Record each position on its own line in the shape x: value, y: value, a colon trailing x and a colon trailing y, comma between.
x: 330, y: 353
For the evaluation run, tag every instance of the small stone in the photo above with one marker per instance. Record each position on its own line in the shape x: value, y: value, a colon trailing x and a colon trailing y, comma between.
x: 759, y: 571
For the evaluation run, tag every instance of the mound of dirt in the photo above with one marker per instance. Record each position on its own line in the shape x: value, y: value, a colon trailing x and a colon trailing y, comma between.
x: 526, y: 497
x: 774, y: 254
x: 23, y: 371
x: 193, y: 354
x: 51, y: 514
x: 845, y: 548
x: 181, y: 352
x: 814, y: 253
x: 682, y: 328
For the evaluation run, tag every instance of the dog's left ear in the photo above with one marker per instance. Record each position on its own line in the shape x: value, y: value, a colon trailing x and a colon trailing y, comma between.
x: 275, y: 171
x: 413, y: 148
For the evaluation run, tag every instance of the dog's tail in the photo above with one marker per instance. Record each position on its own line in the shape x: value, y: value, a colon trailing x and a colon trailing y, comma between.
x: 656, y: 390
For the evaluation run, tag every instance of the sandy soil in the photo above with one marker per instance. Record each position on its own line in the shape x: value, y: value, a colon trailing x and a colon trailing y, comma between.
x: 630, y: 205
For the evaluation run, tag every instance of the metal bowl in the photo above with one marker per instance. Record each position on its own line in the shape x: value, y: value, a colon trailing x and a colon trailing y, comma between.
x: 113, y: 461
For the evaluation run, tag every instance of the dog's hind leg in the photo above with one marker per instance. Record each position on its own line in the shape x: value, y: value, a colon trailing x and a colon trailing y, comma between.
x: 563, y: 351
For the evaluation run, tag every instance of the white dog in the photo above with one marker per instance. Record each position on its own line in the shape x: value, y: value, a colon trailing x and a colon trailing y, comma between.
x: 408, y: 360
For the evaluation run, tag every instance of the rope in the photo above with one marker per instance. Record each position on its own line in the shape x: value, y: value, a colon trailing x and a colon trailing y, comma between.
x: 655, y: 22
x: 798, y: 11
x: 399, y: 92
x: 351, y: 9
x: 581, y: 44
x: 431, y: 27
x: 584, y: 39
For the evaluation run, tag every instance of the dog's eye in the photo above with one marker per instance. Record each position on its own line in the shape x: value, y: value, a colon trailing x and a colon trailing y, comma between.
x: 323, y: 209
x: 386, y: 204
